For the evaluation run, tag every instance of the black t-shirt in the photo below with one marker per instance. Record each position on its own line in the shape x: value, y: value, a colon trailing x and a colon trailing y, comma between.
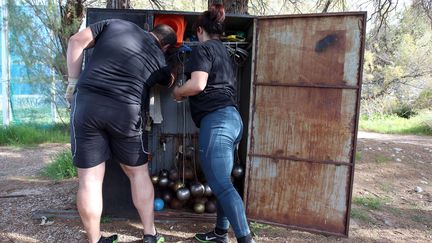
x: 126, y: 61
x: 212, y: 57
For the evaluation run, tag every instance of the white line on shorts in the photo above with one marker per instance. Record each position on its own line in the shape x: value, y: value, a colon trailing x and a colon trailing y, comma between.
x: 73, y: 125
x: 141, y: 134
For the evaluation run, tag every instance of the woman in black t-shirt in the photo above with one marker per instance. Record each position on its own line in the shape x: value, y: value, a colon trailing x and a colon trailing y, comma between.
x: 211, y: 92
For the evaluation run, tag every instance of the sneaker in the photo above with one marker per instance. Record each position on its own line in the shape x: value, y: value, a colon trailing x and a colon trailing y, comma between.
x: 212, y: 237
x: 157, y: 238
x: 246, y: 239
x: 111, y: 239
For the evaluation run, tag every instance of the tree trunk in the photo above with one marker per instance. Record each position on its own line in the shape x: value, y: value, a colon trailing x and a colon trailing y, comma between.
x: 232, y: 6
x: 119, y: 4
x: 326, y: 6
x: 72, y: 14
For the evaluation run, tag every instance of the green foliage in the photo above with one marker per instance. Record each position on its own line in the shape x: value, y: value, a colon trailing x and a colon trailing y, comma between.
x: 61, y: 167
x: 398, y: 61
x: 378, y: 107
x: 39, y: 31
x: 404, y: 110
x: 420, y: 124
x: 424, y: 100
x: 33, y: 28
x: 33, y: 134
x: 374, y: 203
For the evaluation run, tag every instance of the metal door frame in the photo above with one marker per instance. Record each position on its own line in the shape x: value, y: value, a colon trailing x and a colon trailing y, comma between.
x: 252, y: 105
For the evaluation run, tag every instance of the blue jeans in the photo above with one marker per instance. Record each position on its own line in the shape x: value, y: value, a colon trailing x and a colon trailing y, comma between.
x: 220, y: 132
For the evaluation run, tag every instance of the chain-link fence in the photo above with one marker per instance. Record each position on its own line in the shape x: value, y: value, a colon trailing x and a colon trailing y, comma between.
x: 34, y: 102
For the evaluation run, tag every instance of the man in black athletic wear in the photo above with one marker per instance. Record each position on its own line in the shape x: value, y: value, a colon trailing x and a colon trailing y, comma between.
x: 106, y: 105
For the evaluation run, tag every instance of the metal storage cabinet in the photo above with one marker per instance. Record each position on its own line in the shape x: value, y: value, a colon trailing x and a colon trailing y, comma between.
x: 299, y: 100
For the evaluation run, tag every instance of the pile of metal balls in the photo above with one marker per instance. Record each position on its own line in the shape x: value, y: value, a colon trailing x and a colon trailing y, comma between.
x: 176, y: 192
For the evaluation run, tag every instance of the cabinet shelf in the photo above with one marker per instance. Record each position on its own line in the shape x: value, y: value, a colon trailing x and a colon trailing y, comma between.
x: 228, y: 43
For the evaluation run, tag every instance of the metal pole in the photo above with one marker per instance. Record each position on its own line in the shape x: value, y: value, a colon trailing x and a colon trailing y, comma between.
x: 5, y: 65
x: 54, y: 114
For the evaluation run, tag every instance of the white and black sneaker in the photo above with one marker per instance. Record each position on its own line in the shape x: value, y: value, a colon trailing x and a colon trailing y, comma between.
x: 157, y: 238
x: 212, y: 237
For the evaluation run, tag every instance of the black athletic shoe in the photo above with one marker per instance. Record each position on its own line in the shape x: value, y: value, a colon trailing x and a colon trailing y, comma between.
x: 212, y: 237
x: 157, y: 238
x: 111, y: 239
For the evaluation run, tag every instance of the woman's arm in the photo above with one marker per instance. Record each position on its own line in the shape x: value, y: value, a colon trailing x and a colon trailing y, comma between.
x: 195, y: 85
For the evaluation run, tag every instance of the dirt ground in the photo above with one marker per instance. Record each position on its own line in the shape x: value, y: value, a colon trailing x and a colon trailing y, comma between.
x: 388, y: 168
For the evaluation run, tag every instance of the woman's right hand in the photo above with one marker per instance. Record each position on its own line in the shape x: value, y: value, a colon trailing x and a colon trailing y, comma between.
x: 177, y: 94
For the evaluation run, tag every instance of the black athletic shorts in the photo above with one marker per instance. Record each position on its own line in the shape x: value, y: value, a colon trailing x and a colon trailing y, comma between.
x: 103, y: 128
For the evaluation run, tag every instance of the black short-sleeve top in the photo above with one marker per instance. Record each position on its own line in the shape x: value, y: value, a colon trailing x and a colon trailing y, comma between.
x: 212, y: 57
x: 126, y: 61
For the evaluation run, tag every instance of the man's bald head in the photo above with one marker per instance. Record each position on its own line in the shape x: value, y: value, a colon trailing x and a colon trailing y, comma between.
x: 165, y: 34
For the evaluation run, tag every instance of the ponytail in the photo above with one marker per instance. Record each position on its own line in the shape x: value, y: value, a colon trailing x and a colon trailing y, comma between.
x: 217, y: 12
x: 212, y: 20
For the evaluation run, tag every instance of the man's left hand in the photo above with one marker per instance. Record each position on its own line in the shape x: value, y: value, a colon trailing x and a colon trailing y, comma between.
x: 70, y: 89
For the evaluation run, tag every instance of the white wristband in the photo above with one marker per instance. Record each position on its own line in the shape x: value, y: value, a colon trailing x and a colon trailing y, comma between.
x: 72, y: 81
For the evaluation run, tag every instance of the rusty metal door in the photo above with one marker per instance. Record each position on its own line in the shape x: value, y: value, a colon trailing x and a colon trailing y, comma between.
x: 304, y: 117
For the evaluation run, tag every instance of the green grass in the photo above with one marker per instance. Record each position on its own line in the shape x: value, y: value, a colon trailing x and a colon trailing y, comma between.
x: 106, y: 219
x: 33, y: 134
x: 369, y: 202
x: 61, y: 167
x: 258, y: 228
x: 423, y: 219
x: 418, y: 125
x: 380, y: 159
x: 358, y: 156
x: 361, y: 214
x: 386, y: 186
x: 395, y: 211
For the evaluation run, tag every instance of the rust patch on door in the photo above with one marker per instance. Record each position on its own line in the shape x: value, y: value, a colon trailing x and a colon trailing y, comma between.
x: 302, y: 194
x: 304, y: 52
x: 308, y: 123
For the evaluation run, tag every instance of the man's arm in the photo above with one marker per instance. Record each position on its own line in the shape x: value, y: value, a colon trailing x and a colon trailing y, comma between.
x: 75, y: 52
x: 74, y: 58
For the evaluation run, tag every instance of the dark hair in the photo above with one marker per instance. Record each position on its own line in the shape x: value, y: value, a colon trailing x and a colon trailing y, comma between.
x: 212, y: 20
x: 165, y: 34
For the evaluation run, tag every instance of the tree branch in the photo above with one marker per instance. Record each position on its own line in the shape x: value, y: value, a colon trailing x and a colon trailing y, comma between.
x: 403, y: 80
x: 326, y: 6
